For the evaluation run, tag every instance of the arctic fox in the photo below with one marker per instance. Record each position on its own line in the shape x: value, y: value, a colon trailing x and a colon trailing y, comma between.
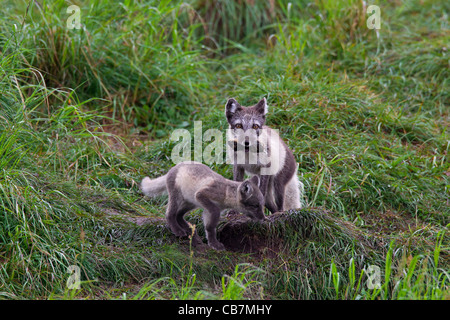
x: 193, y: 185
x: 248, y: 135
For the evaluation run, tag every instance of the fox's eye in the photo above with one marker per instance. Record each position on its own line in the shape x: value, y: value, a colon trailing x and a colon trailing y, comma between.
x: 238, y: 125
x: 255, y: 126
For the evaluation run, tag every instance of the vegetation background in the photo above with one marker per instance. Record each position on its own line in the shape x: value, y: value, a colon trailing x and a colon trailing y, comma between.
x: 86, y: 113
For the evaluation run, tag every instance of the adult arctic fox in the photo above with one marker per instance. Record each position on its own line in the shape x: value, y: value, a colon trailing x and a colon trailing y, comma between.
x: 192, y: 185
x: 248, y: 136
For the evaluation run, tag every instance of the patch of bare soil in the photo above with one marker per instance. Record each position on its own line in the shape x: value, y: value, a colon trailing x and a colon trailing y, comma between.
x: 239, y: 234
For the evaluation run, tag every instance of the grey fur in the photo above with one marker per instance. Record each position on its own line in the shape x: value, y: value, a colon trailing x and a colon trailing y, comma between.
x: 282, y: 189
x: 192, y: 185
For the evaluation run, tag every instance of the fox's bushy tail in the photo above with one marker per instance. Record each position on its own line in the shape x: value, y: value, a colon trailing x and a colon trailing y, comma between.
x: 154, y: 187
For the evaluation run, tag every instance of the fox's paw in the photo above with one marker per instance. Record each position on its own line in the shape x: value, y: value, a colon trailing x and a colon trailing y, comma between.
x: 179, y: 232
x: 217, y: 246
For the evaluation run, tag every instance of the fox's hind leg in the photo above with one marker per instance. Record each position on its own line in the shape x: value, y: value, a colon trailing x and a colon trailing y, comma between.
x: 186, y: 207
x: 171, y: 217
x: 176, y: 209
x: 183, y: 209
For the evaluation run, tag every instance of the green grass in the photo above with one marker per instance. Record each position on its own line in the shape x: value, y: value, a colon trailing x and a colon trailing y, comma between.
x: 86, y: 114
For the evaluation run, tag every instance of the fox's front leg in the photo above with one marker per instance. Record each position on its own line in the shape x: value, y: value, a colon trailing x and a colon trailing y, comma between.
x: 211, y: 216
x: 211, y: 220
x: 238, y: 173
x: 266, y: 180
x: 264, y: 183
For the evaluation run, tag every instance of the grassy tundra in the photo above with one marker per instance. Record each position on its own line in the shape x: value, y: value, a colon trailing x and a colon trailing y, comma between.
x: 86, y: 113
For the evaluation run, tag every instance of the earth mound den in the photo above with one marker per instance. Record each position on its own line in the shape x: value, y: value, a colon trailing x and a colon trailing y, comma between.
x: 288, y: 230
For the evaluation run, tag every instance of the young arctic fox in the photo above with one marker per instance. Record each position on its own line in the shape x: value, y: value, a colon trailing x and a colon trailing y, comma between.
x: 278, y: 173
x: 193, y: 185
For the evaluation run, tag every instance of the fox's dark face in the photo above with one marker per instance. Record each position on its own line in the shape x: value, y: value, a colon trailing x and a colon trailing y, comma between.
x: 246, y: 123
x: 251, y: 200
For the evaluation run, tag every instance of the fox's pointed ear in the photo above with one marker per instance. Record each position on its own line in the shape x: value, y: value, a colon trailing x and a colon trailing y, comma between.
x: 246, y: 189
x: 255, y: 179
x: 261, y: 107
x: 231, y: 107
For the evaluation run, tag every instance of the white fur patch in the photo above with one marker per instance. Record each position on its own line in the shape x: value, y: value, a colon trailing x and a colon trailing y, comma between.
x: 293, y: 194
x: 270, y: 142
